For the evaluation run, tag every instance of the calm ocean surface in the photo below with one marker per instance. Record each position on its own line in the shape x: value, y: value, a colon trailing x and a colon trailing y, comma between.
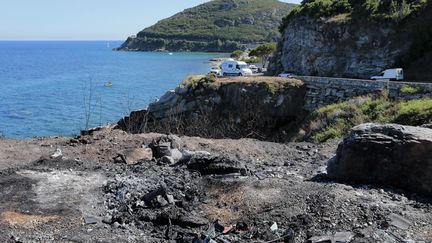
x: 45, y: 86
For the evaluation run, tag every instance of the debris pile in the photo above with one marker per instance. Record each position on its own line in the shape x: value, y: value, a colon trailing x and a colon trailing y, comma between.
x: 110, y: 186
x: 165, y: 200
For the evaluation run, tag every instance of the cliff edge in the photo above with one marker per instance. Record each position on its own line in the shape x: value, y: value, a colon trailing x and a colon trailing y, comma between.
x: 253, y: 107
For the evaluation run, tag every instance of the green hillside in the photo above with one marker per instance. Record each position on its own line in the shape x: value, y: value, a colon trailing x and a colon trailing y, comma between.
x: 219, y: 25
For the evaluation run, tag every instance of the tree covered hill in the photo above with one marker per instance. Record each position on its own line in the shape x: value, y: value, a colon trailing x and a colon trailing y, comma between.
x: 218, y: 25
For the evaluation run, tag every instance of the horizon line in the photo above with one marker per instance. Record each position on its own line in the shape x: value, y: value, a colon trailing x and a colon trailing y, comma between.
x: 63, y: 40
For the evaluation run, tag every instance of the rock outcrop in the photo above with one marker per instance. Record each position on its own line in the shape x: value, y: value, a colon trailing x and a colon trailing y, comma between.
x: 325, y: 48
x: 386, y: 155
x: 353, y: 45
x: 255, y: 107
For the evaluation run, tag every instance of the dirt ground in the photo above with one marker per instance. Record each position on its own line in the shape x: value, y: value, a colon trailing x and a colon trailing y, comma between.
x: 281, y: 194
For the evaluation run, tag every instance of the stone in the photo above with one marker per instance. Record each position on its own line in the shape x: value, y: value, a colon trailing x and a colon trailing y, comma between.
x: 170, y: 199
x: 90, y: 220
x: 321, y: 239
x: 161, y: 201
x: 175, y: 140
x: 399, y: 221
x: 57, y: 154
x: 343, y: 237
x: 383, y: 154
x: 149, y: 197
x: 163, y: 149
x: 188, y: 154
x: 274, y: 227
x: 167, y: 160
x: 135, y: 156
x: 176, y: 155
x: 107, y: 219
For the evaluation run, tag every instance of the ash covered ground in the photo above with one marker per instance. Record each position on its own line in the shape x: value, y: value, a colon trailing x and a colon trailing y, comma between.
x: 111, y: 186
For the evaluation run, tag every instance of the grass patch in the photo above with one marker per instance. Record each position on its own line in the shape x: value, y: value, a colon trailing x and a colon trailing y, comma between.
x: 410, y: 90
x: 196, y: 80
x: 415, y: 112
x: 336, y: 120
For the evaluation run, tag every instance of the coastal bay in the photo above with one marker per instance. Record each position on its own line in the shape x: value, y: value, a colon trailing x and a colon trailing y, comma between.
x: 46, y: 86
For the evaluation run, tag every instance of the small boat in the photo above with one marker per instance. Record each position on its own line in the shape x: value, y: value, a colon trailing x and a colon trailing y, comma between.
x: 108, y: 84
x: 170, y: 53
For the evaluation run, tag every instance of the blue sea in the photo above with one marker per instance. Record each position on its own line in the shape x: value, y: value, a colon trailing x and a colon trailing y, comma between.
x: 59, y: 88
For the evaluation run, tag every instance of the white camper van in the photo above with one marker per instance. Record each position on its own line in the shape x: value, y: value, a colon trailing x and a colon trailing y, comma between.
x: 235, y: 68
x: 390, y: 74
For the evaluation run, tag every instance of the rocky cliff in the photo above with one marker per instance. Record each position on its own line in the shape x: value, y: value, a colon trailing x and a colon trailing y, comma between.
x: 216, y: 26
x: 255, y: 107
x: 347, y: 39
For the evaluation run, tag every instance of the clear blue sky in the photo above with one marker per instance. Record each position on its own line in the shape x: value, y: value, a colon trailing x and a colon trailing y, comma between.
x: 84, y: 19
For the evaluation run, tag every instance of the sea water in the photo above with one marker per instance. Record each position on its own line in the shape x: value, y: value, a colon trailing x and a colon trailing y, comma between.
x: 59, y: 88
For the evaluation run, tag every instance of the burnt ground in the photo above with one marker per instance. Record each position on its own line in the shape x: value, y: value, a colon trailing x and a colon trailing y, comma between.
x: 268, y: 191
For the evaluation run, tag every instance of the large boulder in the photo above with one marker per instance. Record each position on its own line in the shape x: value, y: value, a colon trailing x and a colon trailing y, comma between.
x: 386, y: 155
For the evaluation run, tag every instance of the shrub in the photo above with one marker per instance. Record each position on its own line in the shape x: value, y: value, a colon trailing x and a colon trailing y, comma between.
x: 237, y: 54
x: 336, y: 120
x: 271, y: 88
x: 264, y: 52
x: 196, y: 80
x: 251, y: 60
x: 379, y: 10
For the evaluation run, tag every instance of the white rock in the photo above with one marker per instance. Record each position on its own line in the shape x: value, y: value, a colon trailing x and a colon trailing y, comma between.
x: 57, y: 154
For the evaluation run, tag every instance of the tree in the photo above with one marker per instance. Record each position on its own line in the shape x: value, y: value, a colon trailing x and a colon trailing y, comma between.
x: 264, y: 52
x: 237, y: 54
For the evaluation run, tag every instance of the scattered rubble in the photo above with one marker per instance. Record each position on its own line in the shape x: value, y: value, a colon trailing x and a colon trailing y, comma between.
x: 217, y: 191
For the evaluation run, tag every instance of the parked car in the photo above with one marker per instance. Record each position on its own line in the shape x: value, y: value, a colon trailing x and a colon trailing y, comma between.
x: 253, y: 68
x: 235, y: 68
x: 286, y: 74
x: 390, y: 74
x: 216, y: 71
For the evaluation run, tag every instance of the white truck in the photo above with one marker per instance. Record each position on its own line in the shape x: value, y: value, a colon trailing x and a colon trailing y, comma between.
x: 232, y: 67
x: 390, y: 74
